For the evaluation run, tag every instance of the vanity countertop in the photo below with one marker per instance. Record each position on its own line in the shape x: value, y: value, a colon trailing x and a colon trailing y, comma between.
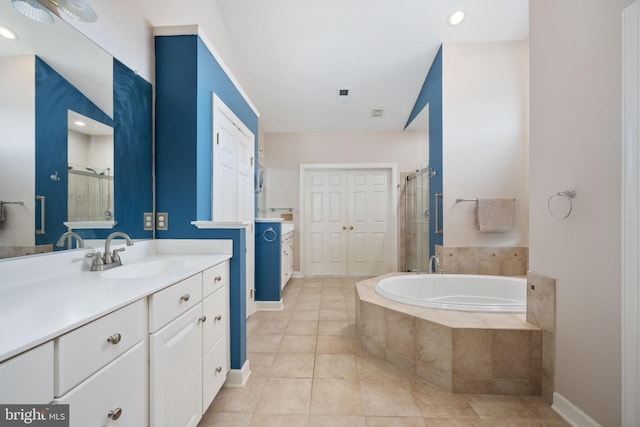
x: 33, y: 313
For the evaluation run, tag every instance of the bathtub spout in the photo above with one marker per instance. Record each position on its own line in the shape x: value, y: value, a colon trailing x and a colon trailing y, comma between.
x: 434, y: 268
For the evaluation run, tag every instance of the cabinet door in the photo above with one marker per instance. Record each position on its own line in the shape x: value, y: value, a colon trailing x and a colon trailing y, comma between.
x: 114, y: 396
x: 28, y: 378
x: 176, y: 372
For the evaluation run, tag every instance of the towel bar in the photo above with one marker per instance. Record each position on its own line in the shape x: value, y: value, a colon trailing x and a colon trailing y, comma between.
x: 471, y: 200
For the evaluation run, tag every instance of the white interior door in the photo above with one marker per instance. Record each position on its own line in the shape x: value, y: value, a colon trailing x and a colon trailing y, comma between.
x: 233, y: 183
x: 347, y: 225
x: 245, y: 206
x: 325, y: 223
x: 224, y: 168
x: 368, y: 217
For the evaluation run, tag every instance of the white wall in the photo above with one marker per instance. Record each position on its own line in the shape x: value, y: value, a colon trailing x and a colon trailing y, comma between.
x: 576, y: 144
x: 284, y: 152
x: 17, y: 141
x: 485, y: 137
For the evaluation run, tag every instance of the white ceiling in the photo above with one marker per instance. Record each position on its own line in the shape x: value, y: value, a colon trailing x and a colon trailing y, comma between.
x: 294, y: 55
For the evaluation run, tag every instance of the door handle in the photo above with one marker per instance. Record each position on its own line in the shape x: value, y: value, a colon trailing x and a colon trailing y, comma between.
x: 438, y: 228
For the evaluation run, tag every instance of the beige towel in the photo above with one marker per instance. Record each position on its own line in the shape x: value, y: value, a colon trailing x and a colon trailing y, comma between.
x: 494, y: 215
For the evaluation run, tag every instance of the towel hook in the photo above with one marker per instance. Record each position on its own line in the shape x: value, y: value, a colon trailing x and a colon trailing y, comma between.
x: 568, y: 196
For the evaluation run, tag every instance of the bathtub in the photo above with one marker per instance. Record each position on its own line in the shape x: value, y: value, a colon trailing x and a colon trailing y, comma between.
x: 459, y: 292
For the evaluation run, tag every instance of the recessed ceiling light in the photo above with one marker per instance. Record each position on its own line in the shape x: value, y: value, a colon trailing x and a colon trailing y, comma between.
x: 79, y: 123
x: 456, y: 18
x: 8, y: 34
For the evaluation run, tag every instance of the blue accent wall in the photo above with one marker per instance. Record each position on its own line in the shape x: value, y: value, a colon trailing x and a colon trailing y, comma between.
x: 187, y: 75
x: 268, y: 261
x: 133, y: 148
x: 431, y: 94
x: 54, y: 96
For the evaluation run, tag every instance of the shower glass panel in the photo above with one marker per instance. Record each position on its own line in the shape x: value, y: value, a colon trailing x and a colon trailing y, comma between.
x: 417, y: 221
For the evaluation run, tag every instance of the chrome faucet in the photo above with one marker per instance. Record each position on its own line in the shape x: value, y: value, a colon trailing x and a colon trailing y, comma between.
x: 68, y: 236
x: 431, y: 264
x: 110, y: 258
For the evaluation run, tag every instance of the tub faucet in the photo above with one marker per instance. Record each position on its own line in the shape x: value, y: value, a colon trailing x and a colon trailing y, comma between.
x: 110, y: 258
x: 68, y: 236
x: 434, y: 260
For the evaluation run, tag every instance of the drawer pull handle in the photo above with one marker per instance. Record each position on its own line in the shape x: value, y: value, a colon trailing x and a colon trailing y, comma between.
x: 218, y: 318
x: 202, y: 319
x: 217, y: 279
x: 218, y: 369
x: 115, y: 414
x: 114, y: 339
x: 185, y: 297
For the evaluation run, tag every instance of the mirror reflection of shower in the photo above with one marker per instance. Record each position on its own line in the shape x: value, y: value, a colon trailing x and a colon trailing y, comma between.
x: 90, y: 170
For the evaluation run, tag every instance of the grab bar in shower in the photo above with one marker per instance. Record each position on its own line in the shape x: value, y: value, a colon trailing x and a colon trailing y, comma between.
x: 439, y: 230
x: 42, y: 200
x: 458, y: 200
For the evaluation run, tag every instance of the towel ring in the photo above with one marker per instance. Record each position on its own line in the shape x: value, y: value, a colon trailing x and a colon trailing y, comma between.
x: 268, y: 231
x: 567, y: 195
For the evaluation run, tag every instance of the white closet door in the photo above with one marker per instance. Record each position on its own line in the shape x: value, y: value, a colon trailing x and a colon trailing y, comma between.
x: 368, y: 212
x: 325, y: 216
x: 246, y: 191
x: 224, y: 168
x: 346, y: 222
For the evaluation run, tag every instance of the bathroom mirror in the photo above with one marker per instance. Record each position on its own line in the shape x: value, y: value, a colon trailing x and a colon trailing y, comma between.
x: 48, y: 70
x: 90, y: 173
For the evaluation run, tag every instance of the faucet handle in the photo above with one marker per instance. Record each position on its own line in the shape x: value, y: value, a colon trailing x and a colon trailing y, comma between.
x: 97, y: 260
x: 114, y: 255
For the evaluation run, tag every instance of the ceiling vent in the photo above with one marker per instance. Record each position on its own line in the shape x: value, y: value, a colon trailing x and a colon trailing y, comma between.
x: 343, y: 96
x: 376, y: 113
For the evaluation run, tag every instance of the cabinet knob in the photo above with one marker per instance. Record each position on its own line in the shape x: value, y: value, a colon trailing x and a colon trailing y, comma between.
x: 115, y: 414
x: 217, y: 278
x: 202, y: 319
x: 344, y: 227
x: 185, y: 297
x: 114, y: 339
x: 218, y: 369
x: 351, y: 228
x: 218, y: 318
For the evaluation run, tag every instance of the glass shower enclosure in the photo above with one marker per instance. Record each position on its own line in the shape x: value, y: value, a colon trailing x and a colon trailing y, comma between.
x: 417, y: 221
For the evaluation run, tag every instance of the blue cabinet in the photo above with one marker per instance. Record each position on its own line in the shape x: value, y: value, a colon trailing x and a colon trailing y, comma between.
x: 268, y: 264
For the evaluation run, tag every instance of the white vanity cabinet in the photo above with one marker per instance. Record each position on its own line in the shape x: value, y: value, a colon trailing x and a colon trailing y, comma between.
x: 100, y: 369
x: 189, y: 348
x: 286, y: 260
x: 30, y: 375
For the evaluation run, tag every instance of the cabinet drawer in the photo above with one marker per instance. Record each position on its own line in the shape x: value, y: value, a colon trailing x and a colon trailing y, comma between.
x: 28, y: 378
x: 214, y: 278
x: 83, y: 351
x: 214, y: 371
x: 215, y: 309
x: 171, y: 302
x: 118, y: 389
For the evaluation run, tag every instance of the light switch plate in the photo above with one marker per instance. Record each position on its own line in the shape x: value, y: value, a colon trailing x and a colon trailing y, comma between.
x: 162, y: 220
x: 148, y: 221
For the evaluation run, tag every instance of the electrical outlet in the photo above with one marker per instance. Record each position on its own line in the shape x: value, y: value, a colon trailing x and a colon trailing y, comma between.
x: 162, y: 220
x: 148, y: 221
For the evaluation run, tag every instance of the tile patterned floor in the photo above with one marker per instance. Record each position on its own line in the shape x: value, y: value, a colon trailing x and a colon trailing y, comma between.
x: 308, y: 371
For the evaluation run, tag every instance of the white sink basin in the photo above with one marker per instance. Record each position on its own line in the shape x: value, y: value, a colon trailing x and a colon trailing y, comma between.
x: 145, y: 269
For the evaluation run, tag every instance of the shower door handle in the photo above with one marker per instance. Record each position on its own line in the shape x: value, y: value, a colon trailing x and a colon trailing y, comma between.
x: 437, y: 224
x: 42, y: 200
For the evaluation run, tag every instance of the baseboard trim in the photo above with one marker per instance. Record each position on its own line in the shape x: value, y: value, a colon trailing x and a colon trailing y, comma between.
x: 571, y: 413
x: 270, y: 305
x: 238, y: 377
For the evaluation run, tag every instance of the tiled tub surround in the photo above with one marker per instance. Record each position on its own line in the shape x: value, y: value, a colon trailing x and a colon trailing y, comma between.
x: 463, y: 352
x: 541, y: 311
x: 496, y: 261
